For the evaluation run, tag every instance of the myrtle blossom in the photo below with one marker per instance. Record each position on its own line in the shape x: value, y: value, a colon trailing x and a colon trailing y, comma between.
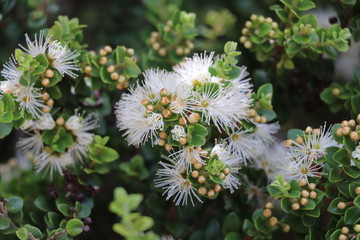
x: 171, y: 179
x: 301, y: 169
x: 225, y: 107
x: 242, y: 143
x: 313, y: 145
x: 185, y: 157
x: 195, y: 70
x: 178, y: 132
x: 356, y: 153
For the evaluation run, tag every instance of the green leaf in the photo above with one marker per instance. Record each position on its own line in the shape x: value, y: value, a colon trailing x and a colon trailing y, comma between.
x: 248, y: 228
x: 232, y: 236
x: 357, y: 201
x: 342, y: 157
x: 41, y: 202
x: 307, y: 220
x: 9, y: 104
x: 22, y: 233
x: 34, y: 231
x: 232, y: 223
x: 105, y: 75
x: 4, y: 223
x: 355, y: 103
x: 305, y: 5
x: 101, y: 154
x: 15, y: 204
x: 196, y: 135
x: 309, y: 19
x: 352, y: 171
x: 265, y: 91
x: 42, y: 59
x: 56, y: 31
x: 352, y: 215
x: 177, y: 228
x: 119, y: 54
x: 131, y: 69
x: 333, y: 206
x: 5, y: 129
x: 74, y: 227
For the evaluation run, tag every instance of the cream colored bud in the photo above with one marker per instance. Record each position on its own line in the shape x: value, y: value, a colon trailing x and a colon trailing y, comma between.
x: 295, y: 206
x: 341, y: 205
x: 179, y: 51
x: 342, y: 237
x: 182, y: 121
x: 304, y: 201
x: 344, y: 123
x: 248, y: 24
x: 167, y: 29
x: 114, y: 76
x: 202, y: 191
x: 182, y: 141
x: 313, y: 195
x: 244, y: 31
x: 243, y: 39
x: 194, y: 118
x: 88, y: 69
x: 130, y: 51
x: 156, y: 46
x: 121, y: 78
x: 168, y: 147
x: 261, y: 19
x: 263, y: 119
x: 352, y: 123
x: 308, y: 130
x: 45, y: 109
x: 339, y: 132
x: 162, y: 52
x: 357, y: 228
x: 253, y: 17
x: 269, y: 20
x: 163, y: 134
x: 45, y: 96
x: 217, y: 188
x: 316, y: 131
x: 252, y: 113
x: 335, y: 92
x: 198, y: 165
x: 166, y: 113
x: 201, y: 179
x: 195, y: 174
x: 273, y: 221
x: 272, y: 33
x: 346, y: 130
x: 257, y: 118
x: 103, y: 60
x: 211, y: 193
x: 102, y: 52
x: 108, y: 49
x: 161, y: 142
x: 274, y: 25
x: 357, y: 190
x: 302, y: 182
x: 312, y: 186
x: 299, y: 140
x: 150, y: 107
x: 187, y: 51
x: 305, y: 193
x: 226, y: 170
x: 267, y: 213
x: 50, y: 102
x: 45, y: 82
x: 286, y: 228
x: 345, y: 230
x: 49, y: 73
x: 111, y: 68
x: 269, y: 205
x: 287, y: 142
x: 60, y: 121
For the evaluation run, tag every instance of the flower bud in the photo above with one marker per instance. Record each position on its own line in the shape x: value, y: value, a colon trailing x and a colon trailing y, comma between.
x: 217, y: 188
x: 312, y: 186
x: 102, y: 52
x: 194, y: 117
x: 195, y: 174
x: 45, y: 82
x: 345, y: 230
x: 273, y: 221
x: 305, y: 193
x: 201, y: 179
x: 211, y: 193
x: 162, y: 52
x: 103, y: 60
x: 295, y: 206
x: 336, y: 92
x: 269, y: 205
x: 341, y: 205
x: 88, y: 69
x: 202, y: 191
x: 163, y: 135
x: 313, y: 195
x: 60, y: 121
x: 49, y: 73
x: 168, y: 147
x: 304, y: 201
x: 111, y: 68
x: 161, y: 142
x: 108, y: 49
x: 267, y: 213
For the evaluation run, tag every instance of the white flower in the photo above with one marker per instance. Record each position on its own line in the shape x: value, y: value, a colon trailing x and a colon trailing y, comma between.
x: 356, y: 154
x: 33, y: 143
x: 63, y: 59
x: 38, y: 46
x: 177, y: 132
x: 171, y: 179
x: 187, y: 156
x: 11, y: 73
x: 232, y: 161
x: 45, y: 122
x: 230, y: 182
x: 301, y: 169
x: 30, y: 100
x: 272, y: 160
x: 243, y: 144
x: 313, y: 146
x: 264, y: 131
x: 224, y: 107
x: 49, y: 161
x: 241, y: 83
x: 79, y: 127
x: 195, y: 70
x: 137, y: 123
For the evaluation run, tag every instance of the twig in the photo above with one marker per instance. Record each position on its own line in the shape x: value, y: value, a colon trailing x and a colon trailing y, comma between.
x: 56, y: 235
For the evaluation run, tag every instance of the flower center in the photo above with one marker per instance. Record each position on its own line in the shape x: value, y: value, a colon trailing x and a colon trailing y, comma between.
x: 304, y: 170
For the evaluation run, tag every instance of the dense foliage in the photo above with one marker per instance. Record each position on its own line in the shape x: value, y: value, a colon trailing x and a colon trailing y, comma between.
x: 145, y: 121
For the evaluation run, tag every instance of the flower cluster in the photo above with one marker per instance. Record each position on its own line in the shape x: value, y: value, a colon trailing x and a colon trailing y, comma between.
x: 40, y: 64
x: 56, y: 144
x: 176, y: 110
x: 299, y: 158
